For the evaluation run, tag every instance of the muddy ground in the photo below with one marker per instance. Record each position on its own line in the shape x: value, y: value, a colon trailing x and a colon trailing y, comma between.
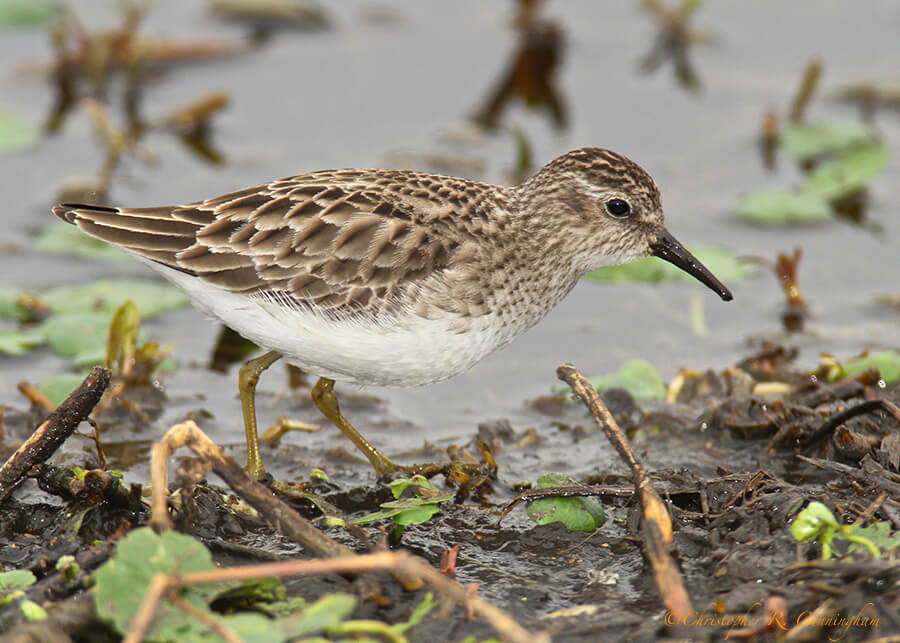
x: 738, y: 468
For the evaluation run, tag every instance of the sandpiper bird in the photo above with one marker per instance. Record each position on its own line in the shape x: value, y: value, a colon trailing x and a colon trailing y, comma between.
x: 393, y: 277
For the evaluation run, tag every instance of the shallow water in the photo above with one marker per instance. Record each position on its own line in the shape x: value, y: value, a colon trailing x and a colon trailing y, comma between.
x: 375, y: 92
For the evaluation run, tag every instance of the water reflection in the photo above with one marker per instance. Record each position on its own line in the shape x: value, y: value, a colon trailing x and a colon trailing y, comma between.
x: 94, y: 70
x: 230, y: 348
x: 813, y: 145
x: 870, y: 97
x: 192, y: 123
x: 530, y: 75
x: 265, y: 17
x: 674, y: 40
x: 796, y: 310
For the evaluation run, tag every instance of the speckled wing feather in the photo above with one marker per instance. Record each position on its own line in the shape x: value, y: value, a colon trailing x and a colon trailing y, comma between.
x: 339, y: 242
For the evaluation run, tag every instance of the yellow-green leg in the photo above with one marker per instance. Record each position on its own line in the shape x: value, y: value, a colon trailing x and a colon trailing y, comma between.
x: 324, y: 397
x: 248, y: 376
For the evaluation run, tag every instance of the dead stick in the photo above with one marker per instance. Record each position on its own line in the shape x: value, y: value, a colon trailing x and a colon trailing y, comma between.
x: 807, y: 88
x: 50, y: 435
x: 657, y: 527
x: 399, y: 562
x: 282, y: 517
x: 141, y: 622
x: 808, y: 628
x: 583, y: 389
x: 279, y: 514
x: 866, y: 515
x: 869, y: 406
x: 34, y: 396
x: 207, y: 619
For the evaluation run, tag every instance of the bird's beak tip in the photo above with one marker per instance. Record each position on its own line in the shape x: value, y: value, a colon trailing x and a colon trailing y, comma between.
x: 668, y: 248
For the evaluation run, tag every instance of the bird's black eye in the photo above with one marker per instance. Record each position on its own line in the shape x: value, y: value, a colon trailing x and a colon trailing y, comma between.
x: 618, y: 208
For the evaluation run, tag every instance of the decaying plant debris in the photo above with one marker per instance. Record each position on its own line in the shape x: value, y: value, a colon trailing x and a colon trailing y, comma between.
x: 735, y: 566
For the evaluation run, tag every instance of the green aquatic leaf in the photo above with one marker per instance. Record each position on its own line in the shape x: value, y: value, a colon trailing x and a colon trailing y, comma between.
x: 16, y: 133
x: 648, y: 270
x: 422, y: 609
x: 123, y: 580
x: 264, y: 595
x: 252, y: 594
x: 13, y: 582
x: 412, y: 510
x: 577, y: 513
x: 10, y: 308
x: 58, y: 387
x: 847, y: 173
x: 414, y: 513
x: 725, y: 264
x: 325, y: 613
x: 804, y: 141
x: 32, y: 611
x: 407, y: 511
x: 19, y: 342
x: 400, y: 485
x: 108, y: 295
x: 78, y: 336
x: 27, y: 13
x: 103, y: 296
x: 16, y: 579
x: 879, y: 534
x: 783, y: 207
x: 80, y: 329
x: 636, y: 376
x: 887, y: 363
x: 122, y: 584
x: 62, y: 238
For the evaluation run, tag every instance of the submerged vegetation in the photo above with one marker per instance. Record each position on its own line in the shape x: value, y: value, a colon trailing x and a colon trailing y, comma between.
x: 838, y: 160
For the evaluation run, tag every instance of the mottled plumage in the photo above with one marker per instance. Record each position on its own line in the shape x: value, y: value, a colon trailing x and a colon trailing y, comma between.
x: 396, y: 277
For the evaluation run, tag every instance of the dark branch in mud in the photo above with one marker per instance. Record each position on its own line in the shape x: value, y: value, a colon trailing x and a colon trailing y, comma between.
x: 869, y: 473
x: 869, y: 406
x: 50, y: 435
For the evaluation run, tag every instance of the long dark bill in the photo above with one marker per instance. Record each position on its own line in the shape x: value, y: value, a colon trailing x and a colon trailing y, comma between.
x: 668, y: 248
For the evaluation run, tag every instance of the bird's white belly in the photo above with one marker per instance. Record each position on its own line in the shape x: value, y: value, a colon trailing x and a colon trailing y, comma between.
x: 418, y: 351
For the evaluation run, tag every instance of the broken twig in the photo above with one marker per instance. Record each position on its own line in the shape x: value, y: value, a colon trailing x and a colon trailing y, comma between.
x: 50, y: 435
x: 657, y: 523
x: 400, y: 563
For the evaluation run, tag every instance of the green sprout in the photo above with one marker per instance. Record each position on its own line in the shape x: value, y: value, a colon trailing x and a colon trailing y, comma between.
x: 411, y: 510
x: 816, y: 522
x: 68, y: 568
x: 317, y: 475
